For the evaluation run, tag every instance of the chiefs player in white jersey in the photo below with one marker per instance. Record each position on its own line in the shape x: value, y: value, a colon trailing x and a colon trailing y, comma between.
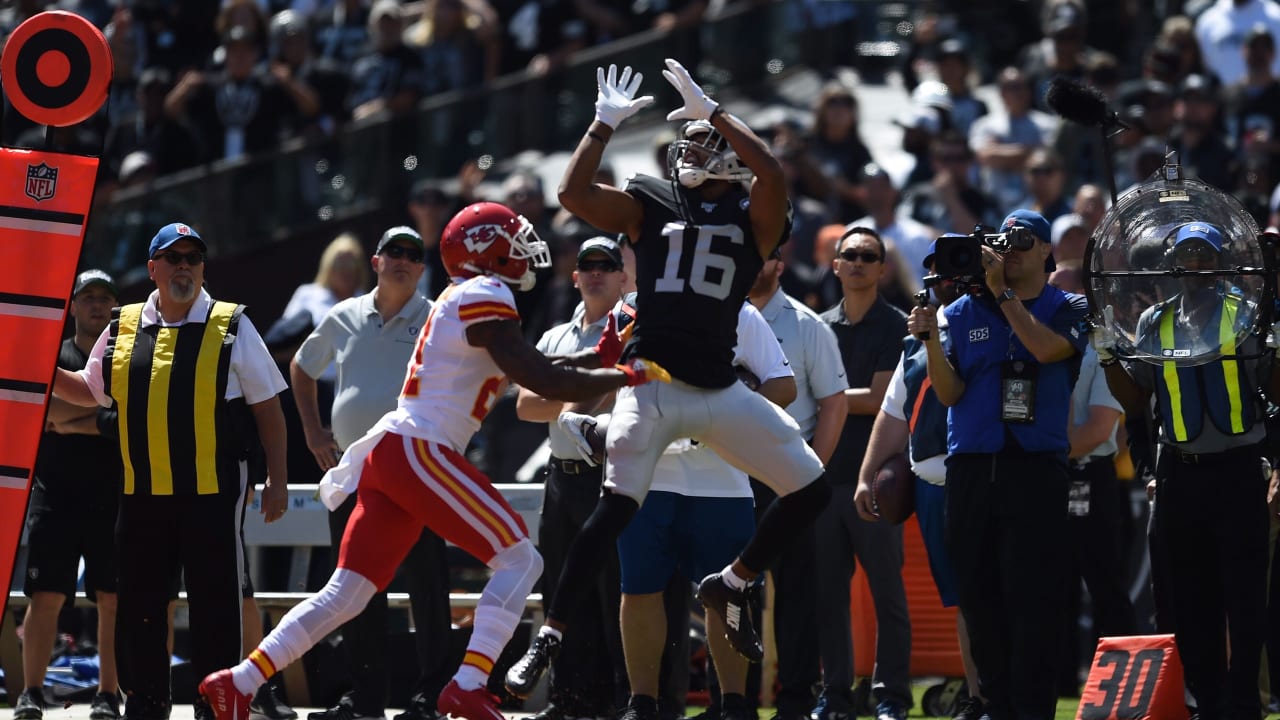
x: 412, y: 473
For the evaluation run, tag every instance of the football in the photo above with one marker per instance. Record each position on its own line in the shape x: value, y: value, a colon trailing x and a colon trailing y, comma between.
x: 596, y: 441
x: 893, y: 491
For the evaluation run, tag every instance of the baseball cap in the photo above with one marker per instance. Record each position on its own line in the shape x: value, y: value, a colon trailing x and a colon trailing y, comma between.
x: 89, y: 278
x: 1031, y: 220
x: 382, y: 8
x: 1201, y: 86
x: 920, y: 118
x: 933, y: 249
x: 932, y: 94
x: 1259, y: 31
x: 1064, y: 16
x: 172, y: 233
x: 400, y: 232
x: 1035, y: 222
x: 601, y: 244
x: 1070, y: 221
x: 134, y: 162
x: 953, y: 46
x: 1200, y: 231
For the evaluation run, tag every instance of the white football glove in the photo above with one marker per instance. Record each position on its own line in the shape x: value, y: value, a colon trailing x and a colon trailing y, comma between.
x: 1103, y: 337
x: 697, y: 106
x: 577, y: 425
x: 616, y: 99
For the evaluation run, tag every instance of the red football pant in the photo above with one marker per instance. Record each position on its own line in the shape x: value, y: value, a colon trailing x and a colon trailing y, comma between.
x: 408, y: 483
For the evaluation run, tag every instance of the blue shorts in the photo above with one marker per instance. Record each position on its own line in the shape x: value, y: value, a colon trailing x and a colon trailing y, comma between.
x: 931, y: 507
x: 695, y: 535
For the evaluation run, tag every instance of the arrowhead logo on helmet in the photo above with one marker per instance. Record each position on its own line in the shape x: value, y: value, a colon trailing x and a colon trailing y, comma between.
x: 487, y: 238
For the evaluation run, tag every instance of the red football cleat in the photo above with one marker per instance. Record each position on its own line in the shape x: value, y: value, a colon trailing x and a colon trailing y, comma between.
x: 478, y: 704
x: 227, y: 702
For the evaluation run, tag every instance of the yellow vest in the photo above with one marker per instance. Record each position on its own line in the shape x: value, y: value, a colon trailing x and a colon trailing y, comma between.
x: 169, y: 384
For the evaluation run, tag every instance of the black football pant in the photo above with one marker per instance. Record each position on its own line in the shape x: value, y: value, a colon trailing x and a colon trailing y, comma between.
x: 426, y: 571
x: 1096, y: 558
x: 589, y: 677
x: 1212, y: 523
x: 1006, y: 530
x: 158, y: 538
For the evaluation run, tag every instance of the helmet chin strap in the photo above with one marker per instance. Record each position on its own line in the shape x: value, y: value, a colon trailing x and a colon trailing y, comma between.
x: 692, y: 177
x: 524, y: 283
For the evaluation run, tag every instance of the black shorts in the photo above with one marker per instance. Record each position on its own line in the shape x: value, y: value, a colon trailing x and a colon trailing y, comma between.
x: 65, y: 524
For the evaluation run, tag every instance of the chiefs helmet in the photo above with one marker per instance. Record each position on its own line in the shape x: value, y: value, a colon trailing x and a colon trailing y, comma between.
x: 487, y: 238
x: 701, y: 153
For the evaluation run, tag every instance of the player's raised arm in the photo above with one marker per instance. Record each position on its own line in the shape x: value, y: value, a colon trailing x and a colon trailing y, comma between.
x: 768, y: 208
x: 604, y: 206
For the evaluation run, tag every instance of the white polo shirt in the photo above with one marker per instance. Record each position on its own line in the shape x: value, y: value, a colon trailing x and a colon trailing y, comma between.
x: 811, y: 347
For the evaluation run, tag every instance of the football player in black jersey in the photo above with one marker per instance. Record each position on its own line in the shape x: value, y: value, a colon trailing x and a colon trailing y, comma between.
x: 700, y: 239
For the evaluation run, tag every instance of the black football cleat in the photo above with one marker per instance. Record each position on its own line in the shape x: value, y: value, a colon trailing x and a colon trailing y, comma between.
x: 735, y: 612
x: 523, y: 677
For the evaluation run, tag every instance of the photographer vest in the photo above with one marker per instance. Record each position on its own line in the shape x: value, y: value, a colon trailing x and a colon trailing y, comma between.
x: 981, y: 343
x: 1219, y: 389
x: 177, y: 435
x: 926, y: 415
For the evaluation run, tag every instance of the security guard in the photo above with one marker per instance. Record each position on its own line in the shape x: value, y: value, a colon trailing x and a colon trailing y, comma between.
x: 1211, y: 494
x: 1006, y: 375
x: 188, y: 376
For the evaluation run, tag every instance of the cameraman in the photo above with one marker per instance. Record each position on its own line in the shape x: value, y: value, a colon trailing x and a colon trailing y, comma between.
x: 1210, y: 518
x: 1006, y: 373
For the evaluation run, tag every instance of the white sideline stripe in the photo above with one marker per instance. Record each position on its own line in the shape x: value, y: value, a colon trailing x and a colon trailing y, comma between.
x: 45, y: 226
x: 29, y: 311
x: 22, y: 396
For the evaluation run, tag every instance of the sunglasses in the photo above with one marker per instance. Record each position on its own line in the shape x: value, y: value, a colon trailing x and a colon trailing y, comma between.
x: 173, y: 257
x: 1195, y: 252
x: 607, y: 266
x: 400, y: 252
x: 1042, y: 170
x: 865, y: 256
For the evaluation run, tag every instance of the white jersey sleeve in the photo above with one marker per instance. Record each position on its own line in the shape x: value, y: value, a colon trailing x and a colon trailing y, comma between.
x: 758, y: 348
x: 485, y: 299
x: 895, y: 396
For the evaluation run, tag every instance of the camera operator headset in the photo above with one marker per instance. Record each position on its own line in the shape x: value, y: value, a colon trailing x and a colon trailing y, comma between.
x: 1006, y: 373
x: 1211, y: 491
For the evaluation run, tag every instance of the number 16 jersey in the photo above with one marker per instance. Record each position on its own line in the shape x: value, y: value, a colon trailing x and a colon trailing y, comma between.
x: 695, y: 262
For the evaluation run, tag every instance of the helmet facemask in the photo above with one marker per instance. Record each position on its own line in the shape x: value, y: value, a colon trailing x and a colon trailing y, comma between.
x: 701, y: 153
x: 526, y: 246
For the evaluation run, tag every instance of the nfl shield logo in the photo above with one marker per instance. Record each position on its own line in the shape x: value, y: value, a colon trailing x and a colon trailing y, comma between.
x: 42, y: 182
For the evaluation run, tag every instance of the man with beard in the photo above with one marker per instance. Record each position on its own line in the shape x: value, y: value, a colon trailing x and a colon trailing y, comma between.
x: 188, y: 377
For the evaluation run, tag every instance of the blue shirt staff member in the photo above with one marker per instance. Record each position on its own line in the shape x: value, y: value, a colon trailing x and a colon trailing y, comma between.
x: 1006, y: 375
x: 1211, y: 523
